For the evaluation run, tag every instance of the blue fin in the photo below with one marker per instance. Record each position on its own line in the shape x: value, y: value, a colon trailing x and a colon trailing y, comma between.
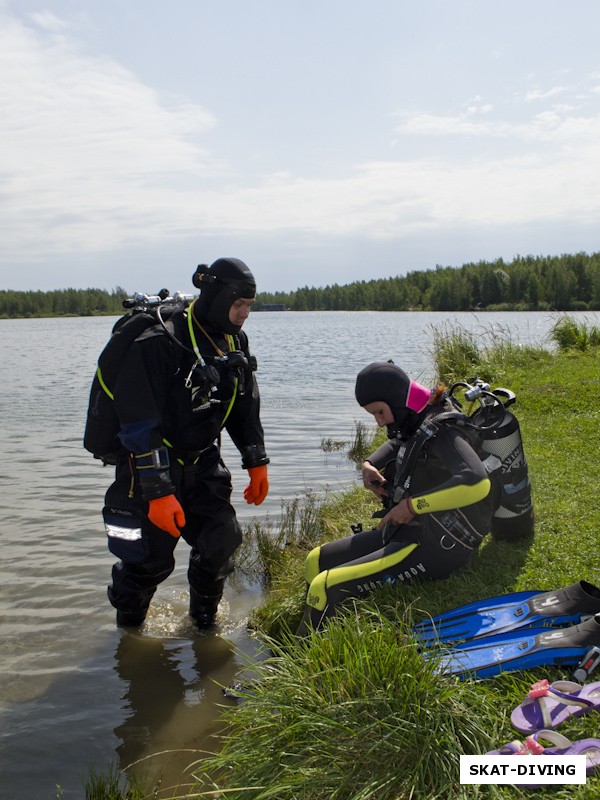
x: 474, y: 619
x: 510, y: 612
x: 520, y: 650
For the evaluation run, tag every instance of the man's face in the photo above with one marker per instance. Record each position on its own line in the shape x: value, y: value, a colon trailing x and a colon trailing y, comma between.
x: 238, y: 313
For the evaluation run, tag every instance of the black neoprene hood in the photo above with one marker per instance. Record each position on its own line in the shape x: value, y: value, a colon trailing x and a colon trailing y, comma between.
x: 221, y: 284
x: 385, y: 382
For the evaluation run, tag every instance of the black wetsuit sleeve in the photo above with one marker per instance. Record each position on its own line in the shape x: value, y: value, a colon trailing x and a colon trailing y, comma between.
x: 384, y: 454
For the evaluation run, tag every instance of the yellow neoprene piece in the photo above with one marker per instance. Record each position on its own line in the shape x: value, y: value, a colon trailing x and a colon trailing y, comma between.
x: 311, y: 565
x: 456, y: 497
x: 231, y: 345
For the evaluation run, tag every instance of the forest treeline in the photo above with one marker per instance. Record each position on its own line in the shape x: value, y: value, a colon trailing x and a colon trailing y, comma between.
x: 61, y: 302
x: 529, y: 283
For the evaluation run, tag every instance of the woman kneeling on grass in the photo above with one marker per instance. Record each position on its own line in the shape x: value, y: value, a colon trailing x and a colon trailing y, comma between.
x: 437, y: 496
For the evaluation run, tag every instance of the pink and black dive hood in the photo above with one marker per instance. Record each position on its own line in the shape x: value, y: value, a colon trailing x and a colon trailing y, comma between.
x: 385, y: 382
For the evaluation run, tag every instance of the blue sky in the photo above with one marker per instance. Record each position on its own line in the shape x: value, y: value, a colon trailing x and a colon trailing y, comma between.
x: 322, y: 141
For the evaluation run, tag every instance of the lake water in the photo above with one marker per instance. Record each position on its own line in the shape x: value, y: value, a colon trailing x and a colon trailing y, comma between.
x: 75, y: 692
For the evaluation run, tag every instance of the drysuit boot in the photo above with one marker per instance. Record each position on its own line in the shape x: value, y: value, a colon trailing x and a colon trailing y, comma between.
x: 203, y: 608
x: 130, y: 619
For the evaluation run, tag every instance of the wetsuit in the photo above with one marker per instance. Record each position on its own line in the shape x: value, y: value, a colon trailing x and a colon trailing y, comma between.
x: 450, y: 494
x: 165, y: 405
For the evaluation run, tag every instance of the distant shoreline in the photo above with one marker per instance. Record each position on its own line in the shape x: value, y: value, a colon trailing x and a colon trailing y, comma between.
x: 490, y: 309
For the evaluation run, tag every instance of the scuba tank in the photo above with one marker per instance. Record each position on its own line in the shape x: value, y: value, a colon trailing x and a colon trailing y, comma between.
x: 499, y: 434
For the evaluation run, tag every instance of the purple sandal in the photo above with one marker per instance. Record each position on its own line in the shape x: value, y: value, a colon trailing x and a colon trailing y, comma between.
x: 548, y: 705
x: 590, y: 748
x: 533, y: 747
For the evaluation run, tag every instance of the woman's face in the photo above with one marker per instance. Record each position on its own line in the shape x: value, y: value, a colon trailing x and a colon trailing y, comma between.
x: 381, y: 411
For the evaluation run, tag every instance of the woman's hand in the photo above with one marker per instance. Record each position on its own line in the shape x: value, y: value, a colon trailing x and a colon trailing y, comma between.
x: 373, y: 479
x: 398, y: 515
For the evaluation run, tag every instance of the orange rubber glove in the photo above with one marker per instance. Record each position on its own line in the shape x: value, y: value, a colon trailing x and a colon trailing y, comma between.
x: 258, y: 488
x: 167, y: 514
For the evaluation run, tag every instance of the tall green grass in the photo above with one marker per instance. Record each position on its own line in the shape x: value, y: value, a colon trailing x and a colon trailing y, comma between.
x: 110, y: 784
x: 362, y: 443
x: 355, y: 713
x: 569, y: 334
x: 358, y: 449
x: 489, y: 353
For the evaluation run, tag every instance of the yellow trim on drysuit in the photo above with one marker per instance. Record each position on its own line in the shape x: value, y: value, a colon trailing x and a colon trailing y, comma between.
x: 231, y: 347
x: 446, y: 499
x: 317, y: 592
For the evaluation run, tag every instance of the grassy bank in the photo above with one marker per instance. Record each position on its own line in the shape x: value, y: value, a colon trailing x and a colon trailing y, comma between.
x: 354, y: 712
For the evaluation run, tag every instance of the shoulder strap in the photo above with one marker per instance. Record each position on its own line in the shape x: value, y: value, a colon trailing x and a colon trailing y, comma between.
x: 408, y: 454
x: 409, y: 451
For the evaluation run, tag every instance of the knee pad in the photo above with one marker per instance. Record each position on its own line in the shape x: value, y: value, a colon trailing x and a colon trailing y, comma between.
x: 311, y: 565
x: 317, y: 592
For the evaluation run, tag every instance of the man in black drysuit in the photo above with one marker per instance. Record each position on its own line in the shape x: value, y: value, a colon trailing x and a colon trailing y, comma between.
x: 175, y: 391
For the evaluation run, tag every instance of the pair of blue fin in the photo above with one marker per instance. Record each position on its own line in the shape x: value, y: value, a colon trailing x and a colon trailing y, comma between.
x: 518, y: 631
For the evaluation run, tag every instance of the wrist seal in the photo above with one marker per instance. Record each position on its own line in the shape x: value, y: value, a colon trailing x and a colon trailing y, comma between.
x: 153, y: 461
x: 254, y: 456
x: 153, y: 472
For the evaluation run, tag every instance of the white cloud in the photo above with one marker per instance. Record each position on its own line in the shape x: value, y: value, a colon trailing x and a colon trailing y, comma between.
x: 538, y: 94
x: 49, y: 22
x: 557, y: 123
x: 465, y: 124
x: 395, y: 199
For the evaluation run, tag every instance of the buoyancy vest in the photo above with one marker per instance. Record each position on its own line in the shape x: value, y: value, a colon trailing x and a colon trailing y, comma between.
x: 102, y: 423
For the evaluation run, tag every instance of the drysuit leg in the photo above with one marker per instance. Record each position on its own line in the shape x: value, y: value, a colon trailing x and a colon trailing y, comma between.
x: 146, y: 552
x: 212, y: 531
